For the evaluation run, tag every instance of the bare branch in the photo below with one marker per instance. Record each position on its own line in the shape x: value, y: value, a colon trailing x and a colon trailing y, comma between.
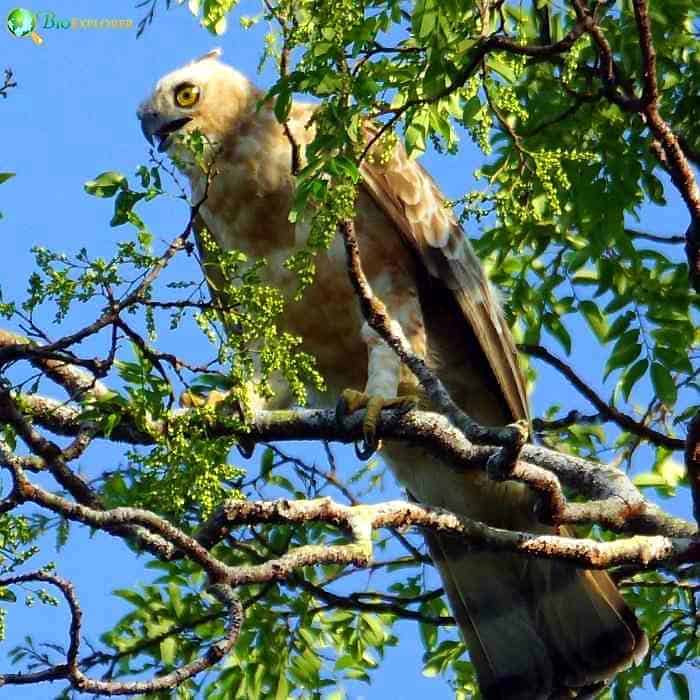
x: 654, y: 237
x: 71, y: 672
x: 603, y: 407
x: 573, y: 417
x: 395, y: 606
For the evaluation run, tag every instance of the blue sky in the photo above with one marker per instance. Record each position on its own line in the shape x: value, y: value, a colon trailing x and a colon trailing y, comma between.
x: 71, y: 117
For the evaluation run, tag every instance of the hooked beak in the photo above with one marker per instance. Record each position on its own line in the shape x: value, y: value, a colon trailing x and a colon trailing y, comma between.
x: 153, y: 127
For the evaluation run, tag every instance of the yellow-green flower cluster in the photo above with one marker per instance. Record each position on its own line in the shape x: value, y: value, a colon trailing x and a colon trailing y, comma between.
x: 507, y: 100
x: 188, y: 467
x: 552, y: 175
x: 571, y: 59
x: 480, y: 129
x: 383, y: 149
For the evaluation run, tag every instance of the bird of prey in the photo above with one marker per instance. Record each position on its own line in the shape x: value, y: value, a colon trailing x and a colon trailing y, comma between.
x: 535, y: 629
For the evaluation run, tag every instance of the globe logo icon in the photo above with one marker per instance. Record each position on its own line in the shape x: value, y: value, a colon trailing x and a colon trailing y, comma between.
x: 21, y: 23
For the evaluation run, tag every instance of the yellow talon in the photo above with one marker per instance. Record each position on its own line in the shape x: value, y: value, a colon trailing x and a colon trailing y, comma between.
x: 351, y: 401
x: 191, y: 400
x: 213, y: 400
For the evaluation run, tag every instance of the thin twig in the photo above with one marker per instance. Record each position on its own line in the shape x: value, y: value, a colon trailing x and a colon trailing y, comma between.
x: 603, y: 407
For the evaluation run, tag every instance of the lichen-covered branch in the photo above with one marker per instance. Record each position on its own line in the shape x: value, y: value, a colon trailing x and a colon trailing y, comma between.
x: 616, y: 502
x: 646, y: 551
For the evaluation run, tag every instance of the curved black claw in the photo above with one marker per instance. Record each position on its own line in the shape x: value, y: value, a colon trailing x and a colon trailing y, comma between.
x: 364, y: 449
x: 245, y: 447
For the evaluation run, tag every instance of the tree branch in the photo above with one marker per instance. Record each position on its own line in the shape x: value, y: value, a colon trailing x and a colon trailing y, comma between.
x: 655, y: 238
x: 509, y: 438
x: 603, y: 407
x: 71, y: 672
x: 647, y: 551
x: 692, y: 462
x: 676, y: 161
x: 626, y: 508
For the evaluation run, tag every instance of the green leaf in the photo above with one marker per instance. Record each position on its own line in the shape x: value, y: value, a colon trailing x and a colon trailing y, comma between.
x: 620, y: 691
x: 168, y: 650
x: 415, y: 139
x: 502, y: 68
x: 557, y: 329
x: 631, y: 376
x: 471, y: 107
x: 123, y: 206
x: 336, y: 695
x: 649, y: 479
x: 283, y: 104
x: 425, y: 18
x: 664, y: 386
x: 282, y: 692
x: 4, y: 177
x: 620, y: 325
x: 7, y: 596
x: 106, y: 184
x: 657, y: 675
x: 625, y: 350
x: 595, y: 319
x: 266, y: 462
x: 622, y: 355
x: 428, y: 634
x: 679, y: 683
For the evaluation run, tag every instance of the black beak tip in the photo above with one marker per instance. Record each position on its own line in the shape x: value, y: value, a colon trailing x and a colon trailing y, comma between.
x: 146, y: 130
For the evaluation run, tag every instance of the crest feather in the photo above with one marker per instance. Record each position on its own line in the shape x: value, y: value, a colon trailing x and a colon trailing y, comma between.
x: 212, y: 55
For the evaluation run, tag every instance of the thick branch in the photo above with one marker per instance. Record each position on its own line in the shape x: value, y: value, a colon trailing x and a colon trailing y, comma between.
x: 626, y: 508
x: 646, y: 551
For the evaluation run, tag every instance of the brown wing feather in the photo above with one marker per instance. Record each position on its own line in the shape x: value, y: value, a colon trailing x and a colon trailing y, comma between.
x: 413, y: 202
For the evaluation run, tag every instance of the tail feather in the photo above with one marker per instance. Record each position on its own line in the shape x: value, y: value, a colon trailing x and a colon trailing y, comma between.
x: 536, y: 629
x: 511, y: 659
x: 589, y: 629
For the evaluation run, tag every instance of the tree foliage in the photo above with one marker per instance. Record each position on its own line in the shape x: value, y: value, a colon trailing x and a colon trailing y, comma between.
x: 585, y: 115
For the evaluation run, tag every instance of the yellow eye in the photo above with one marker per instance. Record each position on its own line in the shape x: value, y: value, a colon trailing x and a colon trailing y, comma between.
x: 186, y: 95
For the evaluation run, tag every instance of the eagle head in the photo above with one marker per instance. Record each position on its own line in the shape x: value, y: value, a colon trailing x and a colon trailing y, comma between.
x: 205, y: 95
